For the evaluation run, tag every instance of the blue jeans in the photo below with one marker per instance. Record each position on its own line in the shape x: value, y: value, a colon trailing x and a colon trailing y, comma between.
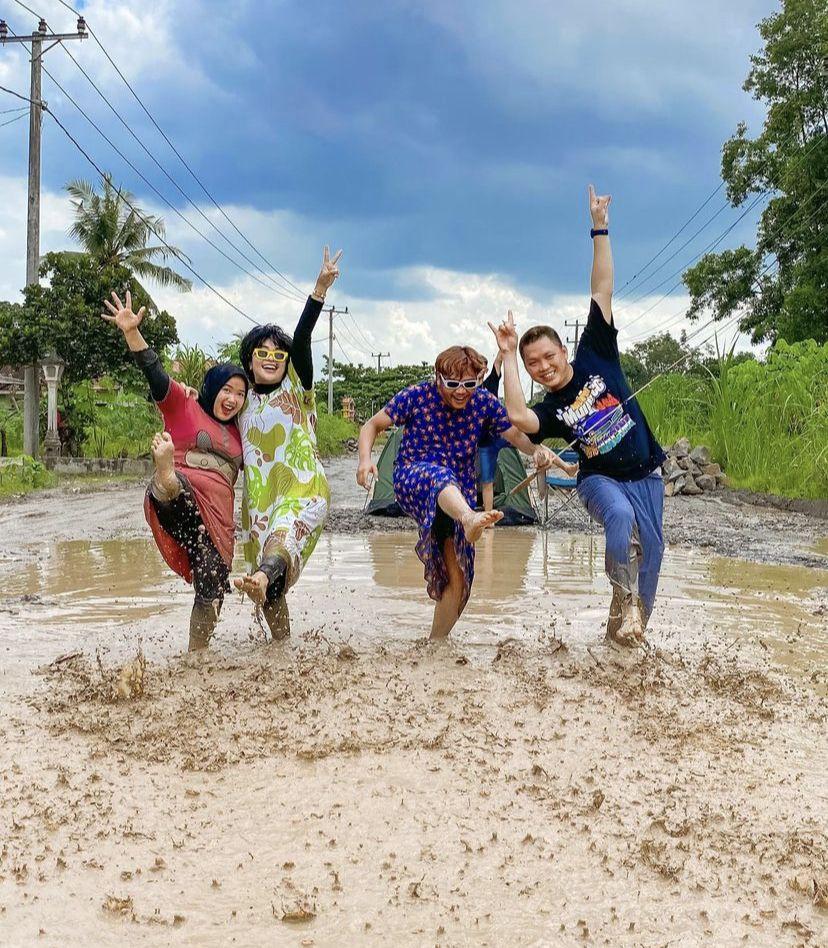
x: 488, y: 459
x: 631, y: 513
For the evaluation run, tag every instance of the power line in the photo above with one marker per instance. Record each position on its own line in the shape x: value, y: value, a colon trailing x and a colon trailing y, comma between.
x: 147, y: 222
x: 777, y: 232
x: 19, y: 108
x: 689, y: 221
x: 17, y: 95
x: 283, y: 290
x: 640, y: 273
x: 181, y: 158
x: 15, y: 119
x: 711, y: 245
x: 168, y: 203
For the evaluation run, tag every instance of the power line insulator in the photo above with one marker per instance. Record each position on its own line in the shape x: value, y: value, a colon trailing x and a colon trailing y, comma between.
x: 81, y: 26
x: 41, y: 27
x: 4, y: 30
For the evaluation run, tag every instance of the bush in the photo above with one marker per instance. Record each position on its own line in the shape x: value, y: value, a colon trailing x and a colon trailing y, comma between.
x: 22, y: 475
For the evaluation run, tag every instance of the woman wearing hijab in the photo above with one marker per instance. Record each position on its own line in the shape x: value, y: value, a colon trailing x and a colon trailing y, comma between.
x: 189, y: 501
x: 286, y: 494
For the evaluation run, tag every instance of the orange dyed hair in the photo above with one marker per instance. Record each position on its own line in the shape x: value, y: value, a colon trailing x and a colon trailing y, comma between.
x: 460, y: 362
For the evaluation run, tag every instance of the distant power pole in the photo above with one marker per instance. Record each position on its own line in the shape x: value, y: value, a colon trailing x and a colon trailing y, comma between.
x: 379, y: 356
x: 331, y: 313
x: 574, y: 342
x: 31, y: 392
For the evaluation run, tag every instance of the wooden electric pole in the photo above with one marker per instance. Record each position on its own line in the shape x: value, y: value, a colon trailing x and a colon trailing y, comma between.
x: 31, y: 391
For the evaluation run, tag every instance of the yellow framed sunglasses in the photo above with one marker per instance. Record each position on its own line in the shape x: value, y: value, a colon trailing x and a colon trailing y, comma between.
x: 270, y: 355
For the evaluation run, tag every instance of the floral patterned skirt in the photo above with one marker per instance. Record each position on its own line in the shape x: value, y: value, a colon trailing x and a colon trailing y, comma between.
x: 417, y: 486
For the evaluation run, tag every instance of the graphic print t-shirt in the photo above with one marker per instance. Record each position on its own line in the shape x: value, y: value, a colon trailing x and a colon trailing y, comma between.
x: 612, y: 434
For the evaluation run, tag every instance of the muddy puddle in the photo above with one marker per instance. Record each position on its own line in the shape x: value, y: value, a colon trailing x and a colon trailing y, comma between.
x: 368, y: 589
x: 500, y: 789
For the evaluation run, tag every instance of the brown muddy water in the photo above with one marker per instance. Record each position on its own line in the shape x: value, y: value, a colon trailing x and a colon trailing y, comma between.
x: 523, y: 784
x: 369, y: 589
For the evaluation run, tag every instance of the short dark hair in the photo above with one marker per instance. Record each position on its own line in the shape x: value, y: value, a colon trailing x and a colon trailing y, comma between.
x: 255, y: 338
x: 538, y: 332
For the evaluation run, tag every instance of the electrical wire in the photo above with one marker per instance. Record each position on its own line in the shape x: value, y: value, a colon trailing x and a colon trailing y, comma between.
x: 15, y: 119
x: 178, y: 154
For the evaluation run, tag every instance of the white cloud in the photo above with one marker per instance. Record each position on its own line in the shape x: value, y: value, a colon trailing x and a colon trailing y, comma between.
x: 448, y: 306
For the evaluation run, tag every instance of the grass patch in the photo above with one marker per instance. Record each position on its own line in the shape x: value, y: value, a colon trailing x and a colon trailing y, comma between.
x: 332, y: 432
x: 765, y: 422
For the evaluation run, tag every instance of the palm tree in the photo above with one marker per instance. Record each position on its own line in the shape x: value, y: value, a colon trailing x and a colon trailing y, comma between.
x: 113, y: 230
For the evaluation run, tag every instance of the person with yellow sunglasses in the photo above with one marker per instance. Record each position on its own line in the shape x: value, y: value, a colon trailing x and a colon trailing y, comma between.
x: 286, y: 496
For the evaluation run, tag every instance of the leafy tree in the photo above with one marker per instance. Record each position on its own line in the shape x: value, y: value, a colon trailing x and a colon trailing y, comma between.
x: 115, y: 234
x: 789, y: 159
x: 63, y: 316
x: 369, y: 389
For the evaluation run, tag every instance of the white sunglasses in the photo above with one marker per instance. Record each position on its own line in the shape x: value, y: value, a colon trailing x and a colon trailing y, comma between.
x: 455, y: 383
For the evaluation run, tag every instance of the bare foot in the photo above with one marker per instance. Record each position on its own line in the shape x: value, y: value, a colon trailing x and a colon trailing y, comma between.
x: 163, y: 454
x: 255, y: 586
x: 476, y: 523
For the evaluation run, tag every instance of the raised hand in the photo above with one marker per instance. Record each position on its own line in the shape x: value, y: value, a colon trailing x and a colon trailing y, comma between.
x: 599, y: 208
x: 122, y: 315
x: 328, y: 273
x: 506, y: 334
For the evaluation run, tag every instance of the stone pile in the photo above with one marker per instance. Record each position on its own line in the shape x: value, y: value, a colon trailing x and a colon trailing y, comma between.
x: 690, y: 470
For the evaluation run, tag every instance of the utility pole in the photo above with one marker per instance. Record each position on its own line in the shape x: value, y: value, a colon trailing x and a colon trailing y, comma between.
x: 577, y: 325
x: 331, y: 313
x: 31, y: 391
x: 379, y: 356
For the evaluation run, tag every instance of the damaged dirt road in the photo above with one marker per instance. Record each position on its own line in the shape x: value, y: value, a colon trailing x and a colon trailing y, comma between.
x: 524, y: 784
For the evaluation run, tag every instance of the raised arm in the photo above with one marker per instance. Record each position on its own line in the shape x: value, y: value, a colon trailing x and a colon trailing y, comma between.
x: 602, y: 279
x: 367, y: 436
x: 301, y: 354
x: 145, y: 358
x: 520, y: 414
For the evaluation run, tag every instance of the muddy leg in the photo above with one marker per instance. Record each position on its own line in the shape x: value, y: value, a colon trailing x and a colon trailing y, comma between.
x: 203, y: 620
x: 452, y: 502
x: 447, y: 610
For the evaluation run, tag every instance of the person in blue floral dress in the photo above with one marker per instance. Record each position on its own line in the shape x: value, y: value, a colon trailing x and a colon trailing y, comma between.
x: 434, y: 473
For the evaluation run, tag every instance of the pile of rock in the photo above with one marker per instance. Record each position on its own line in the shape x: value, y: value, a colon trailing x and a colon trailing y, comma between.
x: 690, y: 470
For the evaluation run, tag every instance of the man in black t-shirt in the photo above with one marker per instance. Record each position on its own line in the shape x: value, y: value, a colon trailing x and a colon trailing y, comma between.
x: 589, y: 404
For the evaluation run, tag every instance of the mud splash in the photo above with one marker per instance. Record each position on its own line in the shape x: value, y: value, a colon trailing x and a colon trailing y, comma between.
x: 368, y: 588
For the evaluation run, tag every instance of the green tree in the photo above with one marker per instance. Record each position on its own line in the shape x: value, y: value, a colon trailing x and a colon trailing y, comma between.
x: 789, y: 159
x: 63, y: 315
x: 369, y: 389
x: 114, y: 233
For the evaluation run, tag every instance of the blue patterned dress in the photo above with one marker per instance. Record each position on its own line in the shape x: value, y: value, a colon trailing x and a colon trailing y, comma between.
x: 438, y: 448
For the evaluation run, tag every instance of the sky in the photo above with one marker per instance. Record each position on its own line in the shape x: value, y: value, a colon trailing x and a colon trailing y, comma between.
x: 445, y: 146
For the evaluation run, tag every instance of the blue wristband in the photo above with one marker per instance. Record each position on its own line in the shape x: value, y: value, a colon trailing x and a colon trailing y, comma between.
x: 603, y: 232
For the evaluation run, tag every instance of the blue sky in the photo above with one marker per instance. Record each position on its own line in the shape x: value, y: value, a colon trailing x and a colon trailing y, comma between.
x: 446, y: 146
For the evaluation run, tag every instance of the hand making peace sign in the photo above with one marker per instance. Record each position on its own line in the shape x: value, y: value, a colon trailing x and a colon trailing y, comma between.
x: 599, y: 208
x: 328, y: 273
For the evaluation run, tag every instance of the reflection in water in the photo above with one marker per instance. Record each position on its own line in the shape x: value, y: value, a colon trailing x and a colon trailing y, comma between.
x: 371, y: 586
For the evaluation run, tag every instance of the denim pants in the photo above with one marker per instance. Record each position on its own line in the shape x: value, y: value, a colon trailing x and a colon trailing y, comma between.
x: 631, y: 513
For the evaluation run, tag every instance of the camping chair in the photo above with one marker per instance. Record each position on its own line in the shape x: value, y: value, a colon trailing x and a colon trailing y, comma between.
x: 562, y: 490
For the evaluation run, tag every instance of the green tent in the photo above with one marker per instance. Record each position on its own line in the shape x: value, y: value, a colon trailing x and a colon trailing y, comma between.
x: 517, y: 509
